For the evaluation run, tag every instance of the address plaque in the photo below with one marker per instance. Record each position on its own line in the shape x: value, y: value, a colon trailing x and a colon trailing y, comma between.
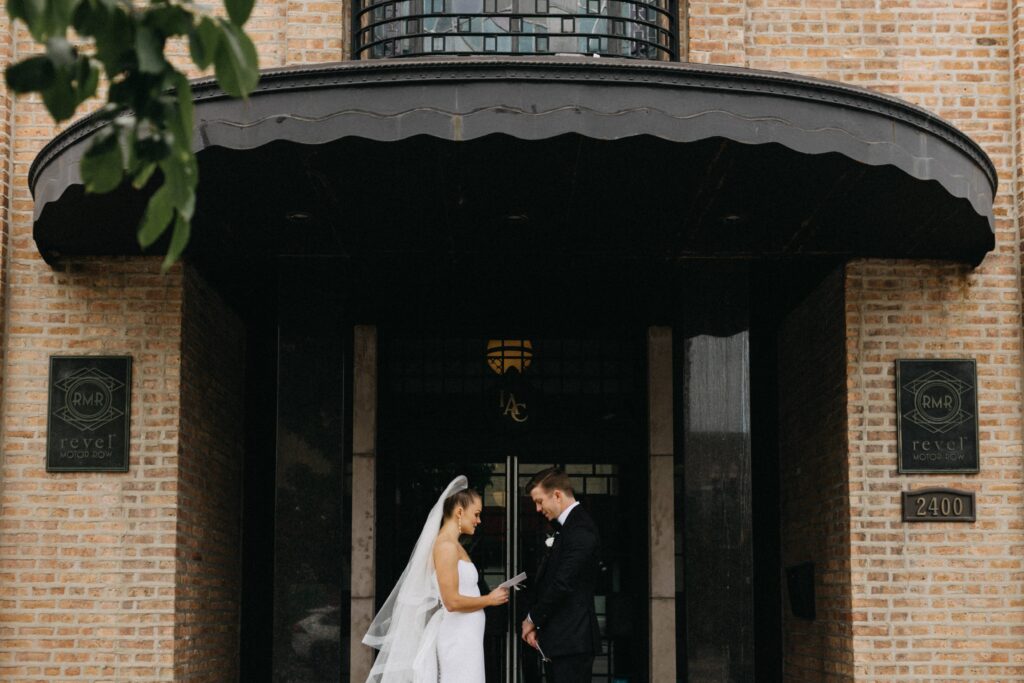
x: 938, y: 505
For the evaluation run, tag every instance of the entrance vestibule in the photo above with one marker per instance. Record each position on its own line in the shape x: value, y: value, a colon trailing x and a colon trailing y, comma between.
x: 652, y: 421
x: 499, y: 410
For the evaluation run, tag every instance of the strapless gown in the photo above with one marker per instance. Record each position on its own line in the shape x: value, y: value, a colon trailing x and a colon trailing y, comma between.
x: 460, y: 638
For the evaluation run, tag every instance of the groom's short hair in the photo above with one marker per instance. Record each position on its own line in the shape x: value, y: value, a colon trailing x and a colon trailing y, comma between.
x: 549, y: 480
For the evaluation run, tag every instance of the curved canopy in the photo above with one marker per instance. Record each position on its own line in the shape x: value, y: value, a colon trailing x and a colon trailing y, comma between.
x: 647, y: 159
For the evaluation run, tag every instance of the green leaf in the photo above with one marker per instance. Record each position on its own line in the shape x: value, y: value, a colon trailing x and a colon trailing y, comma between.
x: 87, y: 78
x: 236, y: 64
x: 239, y: 10
x: 18, y: 9
x: 188, y: 208
x: 179, y: 240
x: 143, y: 175
x: 59, y: 13
x: 44, y: 18
x: 31, y: 75
x: 122, y: 92
x: 152, y: 146
x: 180, y: 178
x: 184, y: 113
x: 33, y: 13
x: 168, y: 20
x: 203, y: 41
x: 59, y: 98
x: 149, y: 47
x: 88, y: 17
x: 114, y: 32
x: 156, y: 218
x: 102, y: 168
x: 125, y: 128
x: 130, y: 39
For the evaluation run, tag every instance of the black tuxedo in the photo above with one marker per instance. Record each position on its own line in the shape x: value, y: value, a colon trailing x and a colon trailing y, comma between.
x: 562, y: 599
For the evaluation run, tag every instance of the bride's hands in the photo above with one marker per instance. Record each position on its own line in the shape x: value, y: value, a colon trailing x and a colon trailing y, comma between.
x: 498, y: 596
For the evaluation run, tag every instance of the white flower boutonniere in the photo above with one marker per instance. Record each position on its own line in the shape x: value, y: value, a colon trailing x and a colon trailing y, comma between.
x: 550, y: 540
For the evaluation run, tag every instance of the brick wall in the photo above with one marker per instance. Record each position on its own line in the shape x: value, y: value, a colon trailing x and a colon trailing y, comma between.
x: 123, y: 576
x: 318, y: 31
x: 118, y: 577
x: 208, y: 573
x: 286, y: 33
x: 935, y: 601
x: 1016, y: 181
x: 715, y: 32
x: 87, y: 560
x: 814, y: 486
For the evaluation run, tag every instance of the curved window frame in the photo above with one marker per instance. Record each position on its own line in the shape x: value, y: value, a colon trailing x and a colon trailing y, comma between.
x: 629, y: 29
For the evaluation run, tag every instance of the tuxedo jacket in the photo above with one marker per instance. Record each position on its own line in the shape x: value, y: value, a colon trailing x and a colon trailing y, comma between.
x: 562, y: 599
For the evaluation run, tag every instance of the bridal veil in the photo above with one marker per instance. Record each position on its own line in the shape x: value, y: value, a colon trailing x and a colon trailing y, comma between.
x: 405, y: 628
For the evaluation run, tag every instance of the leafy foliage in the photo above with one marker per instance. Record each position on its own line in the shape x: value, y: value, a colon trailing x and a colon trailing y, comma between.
x: 149, y: 110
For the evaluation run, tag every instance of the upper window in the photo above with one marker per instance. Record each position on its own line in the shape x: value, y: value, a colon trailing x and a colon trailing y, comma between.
x: 640, y: 29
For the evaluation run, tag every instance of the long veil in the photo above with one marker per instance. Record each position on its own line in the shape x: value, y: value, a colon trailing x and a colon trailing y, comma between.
x: 405, y: 628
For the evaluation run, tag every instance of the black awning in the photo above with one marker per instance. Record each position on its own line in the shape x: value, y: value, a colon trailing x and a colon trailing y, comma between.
x: 540, y: 154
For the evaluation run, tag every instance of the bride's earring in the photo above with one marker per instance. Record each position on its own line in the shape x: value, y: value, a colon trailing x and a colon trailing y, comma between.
x: 460, y: 522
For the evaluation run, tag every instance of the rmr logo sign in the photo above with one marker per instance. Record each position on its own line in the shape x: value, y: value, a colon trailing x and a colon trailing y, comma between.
x: 937, y: 401
x: 89, y: 406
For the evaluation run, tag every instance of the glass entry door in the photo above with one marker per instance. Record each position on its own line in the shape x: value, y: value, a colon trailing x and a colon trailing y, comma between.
x: 499, y: 410
x: 622, y: 590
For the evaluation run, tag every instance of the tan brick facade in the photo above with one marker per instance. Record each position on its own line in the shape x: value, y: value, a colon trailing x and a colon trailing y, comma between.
x: 934, y: 601
x: 87, y: 561
x: 124, y: 576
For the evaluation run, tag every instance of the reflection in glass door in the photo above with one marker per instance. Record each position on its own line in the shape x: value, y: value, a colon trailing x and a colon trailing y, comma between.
x: 499, y: 410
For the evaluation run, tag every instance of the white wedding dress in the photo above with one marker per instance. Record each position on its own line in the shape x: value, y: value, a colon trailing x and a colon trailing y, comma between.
x: 419, y: 640
x: 460, y: 636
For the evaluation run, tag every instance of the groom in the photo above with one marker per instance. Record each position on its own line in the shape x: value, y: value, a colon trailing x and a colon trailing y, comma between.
x: 561, y: 622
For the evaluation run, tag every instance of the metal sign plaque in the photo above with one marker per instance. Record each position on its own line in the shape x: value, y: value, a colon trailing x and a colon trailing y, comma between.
x: 89, y: 410
x: 938, y: 505
x: 937, y: 415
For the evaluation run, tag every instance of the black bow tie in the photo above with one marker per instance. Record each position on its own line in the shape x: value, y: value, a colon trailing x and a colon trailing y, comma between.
x: 556, y: 525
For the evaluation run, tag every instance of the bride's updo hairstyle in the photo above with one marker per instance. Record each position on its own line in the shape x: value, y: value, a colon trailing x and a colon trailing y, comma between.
x: 463, y: 498
x: 551, y: 479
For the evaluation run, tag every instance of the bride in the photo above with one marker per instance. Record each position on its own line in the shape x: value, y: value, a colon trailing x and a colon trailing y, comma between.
x: 431, y: 627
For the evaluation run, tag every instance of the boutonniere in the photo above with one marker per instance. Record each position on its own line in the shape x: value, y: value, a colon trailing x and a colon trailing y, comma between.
x: 550, y: 540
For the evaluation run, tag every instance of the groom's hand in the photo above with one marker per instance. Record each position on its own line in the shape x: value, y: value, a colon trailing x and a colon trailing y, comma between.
x: 530, y: 633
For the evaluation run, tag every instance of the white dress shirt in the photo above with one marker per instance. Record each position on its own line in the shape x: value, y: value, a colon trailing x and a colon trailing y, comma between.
x: 565, y: 513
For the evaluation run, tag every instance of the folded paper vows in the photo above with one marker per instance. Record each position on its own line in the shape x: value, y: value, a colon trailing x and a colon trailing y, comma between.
x: 514, y: 581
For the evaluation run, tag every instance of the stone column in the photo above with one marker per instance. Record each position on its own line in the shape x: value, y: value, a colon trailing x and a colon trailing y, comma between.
x: 364, y: 486
x: 662, y: 507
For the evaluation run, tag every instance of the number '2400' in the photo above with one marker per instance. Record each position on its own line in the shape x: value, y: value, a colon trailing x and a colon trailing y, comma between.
x: 936, y: 507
